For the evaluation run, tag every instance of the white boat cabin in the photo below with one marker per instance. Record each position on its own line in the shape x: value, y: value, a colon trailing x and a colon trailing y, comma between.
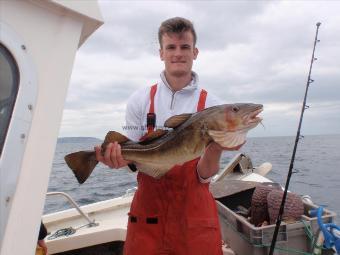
x: 38, y: 43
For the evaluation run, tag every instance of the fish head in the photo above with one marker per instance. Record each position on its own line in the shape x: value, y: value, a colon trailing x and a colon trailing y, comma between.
x: 231, y: 122
x: 241, y: 116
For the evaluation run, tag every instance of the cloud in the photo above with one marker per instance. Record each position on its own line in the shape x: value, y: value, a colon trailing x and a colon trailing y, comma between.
x: 249, y: 52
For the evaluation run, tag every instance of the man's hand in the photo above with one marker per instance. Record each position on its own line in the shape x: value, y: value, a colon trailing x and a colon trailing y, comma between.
x: 112, y: 156
x: 42, y: 244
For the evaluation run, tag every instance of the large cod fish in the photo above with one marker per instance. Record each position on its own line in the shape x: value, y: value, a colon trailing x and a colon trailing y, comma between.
x: 185, y: 139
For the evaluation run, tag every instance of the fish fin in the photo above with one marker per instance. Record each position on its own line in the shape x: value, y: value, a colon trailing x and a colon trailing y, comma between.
x: 82, y: 164
x: 153, y: 135
x: 113, y: 136
x: 177, y: 120
x: 153, y: 171
x: 228, y: 139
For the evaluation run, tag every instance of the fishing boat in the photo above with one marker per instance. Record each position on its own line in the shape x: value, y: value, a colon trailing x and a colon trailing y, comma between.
x: 100, y: 228
x: 37, y: 51
x: 102, y: 225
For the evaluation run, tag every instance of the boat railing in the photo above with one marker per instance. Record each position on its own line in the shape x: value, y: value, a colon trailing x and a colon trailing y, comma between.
x: 240, y: 163
x: 130, y: 192
x: 91, y: 223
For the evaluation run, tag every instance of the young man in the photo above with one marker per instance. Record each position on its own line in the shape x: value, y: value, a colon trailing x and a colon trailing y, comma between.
x: 175, y: 214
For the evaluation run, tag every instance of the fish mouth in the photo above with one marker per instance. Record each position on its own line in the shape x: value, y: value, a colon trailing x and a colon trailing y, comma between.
x: 253, y: 118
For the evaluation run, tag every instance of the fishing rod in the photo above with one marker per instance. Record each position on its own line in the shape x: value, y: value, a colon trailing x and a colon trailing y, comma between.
x: 297, y: 138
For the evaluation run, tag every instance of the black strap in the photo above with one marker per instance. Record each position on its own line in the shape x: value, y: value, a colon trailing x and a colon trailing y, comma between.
x: 150, y: 121
x: 151, y: 220
x: 132, y: 167
x: 133, y: 219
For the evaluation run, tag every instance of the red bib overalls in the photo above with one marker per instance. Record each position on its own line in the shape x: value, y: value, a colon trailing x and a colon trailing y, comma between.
x: 173, y: 215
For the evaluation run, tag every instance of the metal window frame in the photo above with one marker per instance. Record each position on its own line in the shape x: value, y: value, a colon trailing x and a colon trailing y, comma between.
x: 13, y: 94
x: 20, y: 122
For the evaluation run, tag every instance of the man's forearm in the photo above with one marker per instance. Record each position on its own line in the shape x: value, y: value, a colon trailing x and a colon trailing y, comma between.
x: 209, y: 164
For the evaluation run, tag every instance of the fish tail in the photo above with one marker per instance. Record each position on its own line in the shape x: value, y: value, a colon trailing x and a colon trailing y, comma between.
x: 82, y: 164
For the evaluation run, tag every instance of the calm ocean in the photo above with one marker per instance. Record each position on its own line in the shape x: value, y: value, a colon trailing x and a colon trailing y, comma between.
x: 317, y: 174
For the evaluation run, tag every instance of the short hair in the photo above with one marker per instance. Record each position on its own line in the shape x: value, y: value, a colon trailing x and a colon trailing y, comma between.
x: 176, y: 25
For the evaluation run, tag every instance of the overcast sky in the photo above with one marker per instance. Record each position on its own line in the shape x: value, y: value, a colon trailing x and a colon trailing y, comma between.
x: 256, y: 51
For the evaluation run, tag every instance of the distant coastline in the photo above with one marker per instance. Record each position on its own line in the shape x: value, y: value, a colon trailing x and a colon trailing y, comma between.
x: 80, y: 139
x: 84, y: 139
x: 287, y: 136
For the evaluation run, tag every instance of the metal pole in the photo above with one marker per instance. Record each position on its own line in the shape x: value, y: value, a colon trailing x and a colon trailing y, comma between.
x: 297, y: 138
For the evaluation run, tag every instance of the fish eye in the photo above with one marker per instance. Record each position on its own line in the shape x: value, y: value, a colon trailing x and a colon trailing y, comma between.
x: 235, y: 108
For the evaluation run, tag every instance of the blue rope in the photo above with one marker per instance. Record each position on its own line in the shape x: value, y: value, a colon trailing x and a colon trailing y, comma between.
x: 331, y: 239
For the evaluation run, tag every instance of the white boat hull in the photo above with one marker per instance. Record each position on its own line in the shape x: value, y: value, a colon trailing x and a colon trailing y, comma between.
x: 112, y: 217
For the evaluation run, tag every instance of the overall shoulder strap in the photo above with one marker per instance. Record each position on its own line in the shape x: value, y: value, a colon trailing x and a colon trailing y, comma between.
x: 151, y: 116
x: 201, y: 100
x: 153, y: 91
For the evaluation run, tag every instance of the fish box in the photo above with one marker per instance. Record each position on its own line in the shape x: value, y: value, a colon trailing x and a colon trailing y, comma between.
x: 246, y: 239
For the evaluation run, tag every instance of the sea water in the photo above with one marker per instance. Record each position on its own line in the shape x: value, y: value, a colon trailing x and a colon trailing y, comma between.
x: 316, y: 167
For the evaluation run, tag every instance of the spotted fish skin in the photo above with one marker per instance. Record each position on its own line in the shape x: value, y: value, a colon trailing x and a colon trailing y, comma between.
x: 186, y: 137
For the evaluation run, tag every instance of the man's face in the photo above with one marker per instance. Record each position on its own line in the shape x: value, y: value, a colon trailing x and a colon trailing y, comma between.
x: 178, y: 53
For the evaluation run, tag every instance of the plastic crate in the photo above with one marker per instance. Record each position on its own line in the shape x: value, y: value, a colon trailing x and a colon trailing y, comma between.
x: 246, y: 239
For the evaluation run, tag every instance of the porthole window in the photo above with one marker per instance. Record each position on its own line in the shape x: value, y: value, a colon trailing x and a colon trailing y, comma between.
x: 9, y: 85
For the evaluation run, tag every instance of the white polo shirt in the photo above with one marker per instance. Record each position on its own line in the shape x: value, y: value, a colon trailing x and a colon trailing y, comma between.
x: 167, y: 103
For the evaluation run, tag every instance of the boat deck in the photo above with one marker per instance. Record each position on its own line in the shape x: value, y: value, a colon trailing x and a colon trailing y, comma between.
x: 111, y: 216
